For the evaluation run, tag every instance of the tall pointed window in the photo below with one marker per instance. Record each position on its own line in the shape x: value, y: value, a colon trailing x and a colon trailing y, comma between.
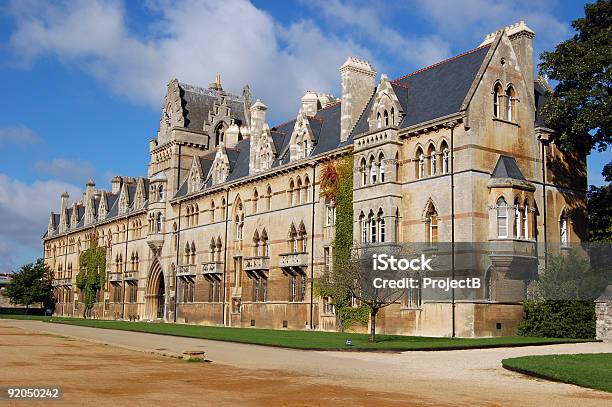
x: 445, y: 159
x: 373, y: 171
x: 381, y: 167
x: 269, y: 198
x: 518, y: 219
x: 421, y: 166
x: 373, y: 227
x: 563, y: 229
x: 502, y: 217
x: 497, y: 95
x: 510, y: 104
x: 380, y: 217
x: 432, y: 160
x: 364, y: 228
x: 431, y: 225
x: 386, y: 116
x: 526, y: 220
x: 364, y: 172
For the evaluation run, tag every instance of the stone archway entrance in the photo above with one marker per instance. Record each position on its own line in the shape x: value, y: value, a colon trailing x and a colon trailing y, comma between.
x: 156, y: 293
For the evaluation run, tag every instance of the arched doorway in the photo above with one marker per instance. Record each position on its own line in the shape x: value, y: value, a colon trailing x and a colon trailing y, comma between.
x: 156, y: 293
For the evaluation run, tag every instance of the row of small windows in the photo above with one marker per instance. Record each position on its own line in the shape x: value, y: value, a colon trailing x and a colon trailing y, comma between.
x: 385, y: 119
x: 298, y: 192
x: 434, y: 163
x: 156, y: 222
x: 373, y: 170
x: 157, y: 193
x: 504, y: 102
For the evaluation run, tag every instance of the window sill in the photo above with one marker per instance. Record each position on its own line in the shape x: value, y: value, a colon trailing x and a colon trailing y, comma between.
x: 497, y: 119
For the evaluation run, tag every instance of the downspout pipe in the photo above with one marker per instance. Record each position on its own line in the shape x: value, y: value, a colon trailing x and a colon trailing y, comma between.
x: 178, y: 243
x: 226, y: 284
x: 312, y: 245
x: 127, y: 234
x: 543, y: 142
x: 452, y: 192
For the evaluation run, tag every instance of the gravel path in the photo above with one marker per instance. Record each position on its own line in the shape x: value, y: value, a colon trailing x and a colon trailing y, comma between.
x: 468, y: 377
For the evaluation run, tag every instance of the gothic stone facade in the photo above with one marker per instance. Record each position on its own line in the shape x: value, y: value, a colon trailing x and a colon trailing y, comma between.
x: 228, y: 227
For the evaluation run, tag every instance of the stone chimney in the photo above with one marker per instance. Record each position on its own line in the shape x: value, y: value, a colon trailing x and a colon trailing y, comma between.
x: 63, y: 212
x: 521, y: 37
x: 231, y: 135
x: 310, y: 102
x: 116, y: 184
x: 357, y: 79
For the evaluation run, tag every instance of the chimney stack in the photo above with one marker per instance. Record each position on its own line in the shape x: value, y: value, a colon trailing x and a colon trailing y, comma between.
x: 231, y: 135
x: 357, y: 79
x: 310, y: 103
x: 116, y: 184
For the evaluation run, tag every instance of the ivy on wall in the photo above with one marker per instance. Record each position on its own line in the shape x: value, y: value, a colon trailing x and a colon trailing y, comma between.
x: 337, y: 186
x: 92, y: 274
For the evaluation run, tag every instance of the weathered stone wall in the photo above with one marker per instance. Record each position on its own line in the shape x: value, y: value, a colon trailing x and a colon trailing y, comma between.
x: 603, y: 312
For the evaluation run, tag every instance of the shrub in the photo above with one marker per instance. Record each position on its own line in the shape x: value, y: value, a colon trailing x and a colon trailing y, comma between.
x: 559, y: 319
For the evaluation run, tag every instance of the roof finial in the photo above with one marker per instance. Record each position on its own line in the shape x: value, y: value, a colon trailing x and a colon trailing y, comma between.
x: 216, y: 85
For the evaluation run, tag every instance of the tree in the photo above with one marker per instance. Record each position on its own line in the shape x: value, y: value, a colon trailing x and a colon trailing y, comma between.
x: 579, y: 108
x: 91, y: 277
x: 564, y: 294
x: 600, y: 213
x: 31, y: 285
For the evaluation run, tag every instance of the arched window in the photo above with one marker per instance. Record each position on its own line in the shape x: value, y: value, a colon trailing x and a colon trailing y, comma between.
x: 373, y: 227
x: 306, y: 189
x: 188, y: 216
x: 373, y: 170
x: 380, y: 217
x: 160, y: 193
x: 255, y: 201
x: 297, y: 197
x: 256, y: 244
x: 502, y: 217
x: 378, y: 120
x: 269, y: 198
x: 219, y: 134
x: 497, y: 94
x: 386, y: 116
x: 212, y: 211
x: 445, y: 158
x: 293, y: 239
x: 518, y: 219
x: 213, y: 250
x: 432, y: 160
x: 420, y: 167
x: 193, y: 253
x: 239, y: 223
x: 563, y: 229
x: 160, y: 222
x: 364, y: 172
x: 526, y: 220
x: 364, y: 228
x: 381, y: 167
x: 265, y: 244
x: 303, y: 238
x: 291, y: 188
x: 510, y: 104
x: 431, y: 226
x: 392, y: 116
x: 396, y: 225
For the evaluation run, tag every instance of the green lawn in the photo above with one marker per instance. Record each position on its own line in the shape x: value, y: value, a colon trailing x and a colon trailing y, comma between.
x: 587, y: 370
x: 304, y: 339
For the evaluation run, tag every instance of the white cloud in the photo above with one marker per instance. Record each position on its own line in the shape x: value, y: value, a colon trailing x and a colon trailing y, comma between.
x: 68, y: 169
x: 18, y: 135
x: 24, y: 214
x: 471, y: 20
x: 371, y: 22
x: 191, y: 40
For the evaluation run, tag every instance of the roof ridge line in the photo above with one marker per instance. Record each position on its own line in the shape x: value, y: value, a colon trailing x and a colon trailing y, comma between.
x: 394, y: 81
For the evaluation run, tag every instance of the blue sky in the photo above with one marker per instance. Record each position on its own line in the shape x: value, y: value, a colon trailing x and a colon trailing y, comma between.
x: 83, y: 81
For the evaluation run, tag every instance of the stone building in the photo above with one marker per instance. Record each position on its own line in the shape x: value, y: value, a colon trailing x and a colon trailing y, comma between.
x: 228, y: 227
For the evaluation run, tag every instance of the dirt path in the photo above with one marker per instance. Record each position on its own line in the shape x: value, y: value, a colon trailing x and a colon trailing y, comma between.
x: 263, y: 375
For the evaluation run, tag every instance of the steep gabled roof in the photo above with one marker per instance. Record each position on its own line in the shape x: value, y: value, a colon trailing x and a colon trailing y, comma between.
x: 438, y: 90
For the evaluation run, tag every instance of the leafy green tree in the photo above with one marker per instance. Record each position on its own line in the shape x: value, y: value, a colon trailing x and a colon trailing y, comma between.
x: 564, y: 294
x: 92, y: 274
x: 600, y: 213
x: 579, y: 108
x: 31, y: 285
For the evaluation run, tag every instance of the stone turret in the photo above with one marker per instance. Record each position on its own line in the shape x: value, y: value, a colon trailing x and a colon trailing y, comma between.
x: 231, y: 135
x: 357, y: 80
x: 258, y: 123
x: 63, y: 226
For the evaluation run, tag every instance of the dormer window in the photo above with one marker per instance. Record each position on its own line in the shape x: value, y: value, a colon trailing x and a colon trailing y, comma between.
x: 510, y: 104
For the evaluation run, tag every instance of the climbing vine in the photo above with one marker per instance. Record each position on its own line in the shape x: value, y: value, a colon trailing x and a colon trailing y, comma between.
x: 337, y: 186
x: 92, y: 274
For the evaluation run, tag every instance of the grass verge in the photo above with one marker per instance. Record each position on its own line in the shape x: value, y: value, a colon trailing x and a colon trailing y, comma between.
x: 307, y: 340
x: 587, y: 370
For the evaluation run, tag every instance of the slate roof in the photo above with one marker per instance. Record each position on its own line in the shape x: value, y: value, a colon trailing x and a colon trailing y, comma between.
x: 439, y: 90
x: 506, y: 167
x: 197, y: 102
